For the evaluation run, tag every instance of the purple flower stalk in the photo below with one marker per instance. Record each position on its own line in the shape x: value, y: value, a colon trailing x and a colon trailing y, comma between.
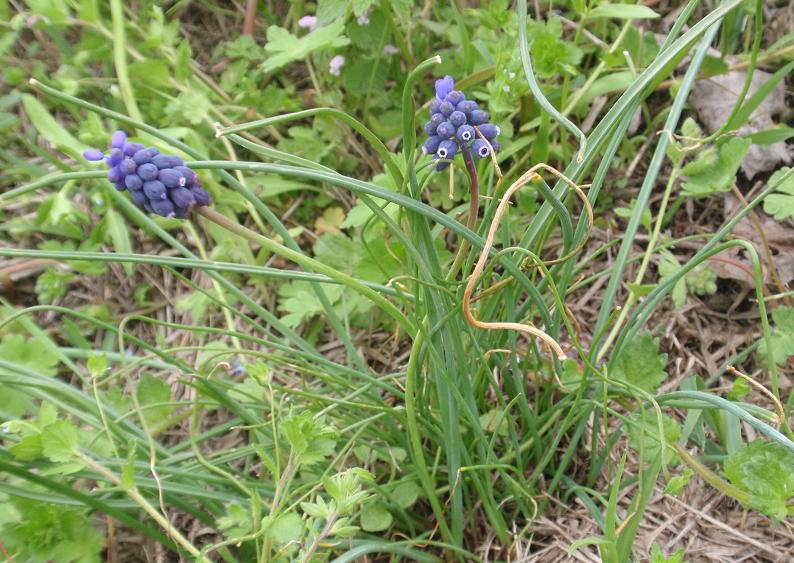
x: 457, y: 125
x: 160, y: 183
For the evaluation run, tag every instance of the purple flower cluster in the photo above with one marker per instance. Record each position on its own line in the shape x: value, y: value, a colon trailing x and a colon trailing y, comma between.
x: 160, y: 183
x: 457, y: 124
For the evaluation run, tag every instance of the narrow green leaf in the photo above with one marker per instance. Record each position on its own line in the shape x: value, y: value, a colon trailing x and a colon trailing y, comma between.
x: 50, y: 129
x: 622, y: 12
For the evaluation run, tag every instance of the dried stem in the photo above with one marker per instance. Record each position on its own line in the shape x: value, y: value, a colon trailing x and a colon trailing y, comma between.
x: 573, y: 252
x: 781, y: 414
x: 527, y: 177
x: 250, y: 17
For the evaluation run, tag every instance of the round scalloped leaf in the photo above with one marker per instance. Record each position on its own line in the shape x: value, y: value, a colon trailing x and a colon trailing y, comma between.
x: 375, y: 518
x: 640, y: 363
x: 766, y: 471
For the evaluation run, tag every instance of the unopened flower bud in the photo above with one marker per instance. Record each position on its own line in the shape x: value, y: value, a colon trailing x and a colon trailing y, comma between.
x: 167, y: 161
x: 142, y: 157
x: 133, y: 182
x: 115, y: 157
x: 457, y: 118
x: 115, y: 174
x: 444, y: 86
x: 488, y: 130
x: 118, y: 139
x: 130, y: 149
x: 446, y: 108
x: 154, y: 189
x: 93, y: 155
x: 147, y: 171
x: 171, y: 178
x: 478, y: 117
x: 182, y: 197
x: 455, y: 97
x: 162, y: 207
x: 445, y: 130
x: 201, y: 196
x: 139, y: 197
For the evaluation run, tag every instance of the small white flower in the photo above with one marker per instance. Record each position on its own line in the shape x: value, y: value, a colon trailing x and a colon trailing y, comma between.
x: 308, y: 22
x: 363, y: 19
x: 334, y: 67
x: 390, y: 50
x: 506, y: 88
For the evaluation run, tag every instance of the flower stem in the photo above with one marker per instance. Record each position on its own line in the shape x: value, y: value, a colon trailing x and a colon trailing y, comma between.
x: 329, y: 525
x: 474, y: 206
x: 646, y: 260
x: 414, y: 438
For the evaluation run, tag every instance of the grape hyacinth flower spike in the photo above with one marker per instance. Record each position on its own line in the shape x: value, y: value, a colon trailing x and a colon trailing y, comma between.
x: 457, y: 125
x: 160, y: 183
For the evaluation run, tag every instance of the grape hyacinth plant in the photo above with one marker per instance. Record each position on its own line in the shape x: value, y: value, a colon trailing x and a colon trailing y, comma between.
x: 160, y: 183
x: 457, y: 125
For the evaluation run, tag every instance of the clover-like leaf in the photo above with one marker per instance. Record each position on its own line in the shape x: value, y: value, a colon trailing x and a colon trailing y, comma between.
x: 282, y: 47
x: 714, y: 171
x: 780, y: 203
x: 782, y: 336
x: 152, y: 393
x: 28, y: 353
x: 644, y: 434
x: 59, y: 441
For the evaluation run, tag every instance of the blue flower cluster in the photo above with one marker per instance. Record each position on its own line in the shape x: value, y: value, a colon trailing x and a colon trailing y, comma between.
x: 160, y: 183
x: 457, y: 124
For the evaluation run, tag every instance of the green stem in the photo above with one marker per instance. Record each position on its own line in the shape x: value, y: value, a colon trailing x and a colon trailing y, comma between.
x: 646, y: 260
x: 712, y: 478
x: 411, y: 376
x: 216, y: 286
x: 474, y: 206
x: 136, y: 496
x: 311, y: 263
x: 534, y: 87
x: 120, y: 59
x: 355, y: 124
x: 329, y: 524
